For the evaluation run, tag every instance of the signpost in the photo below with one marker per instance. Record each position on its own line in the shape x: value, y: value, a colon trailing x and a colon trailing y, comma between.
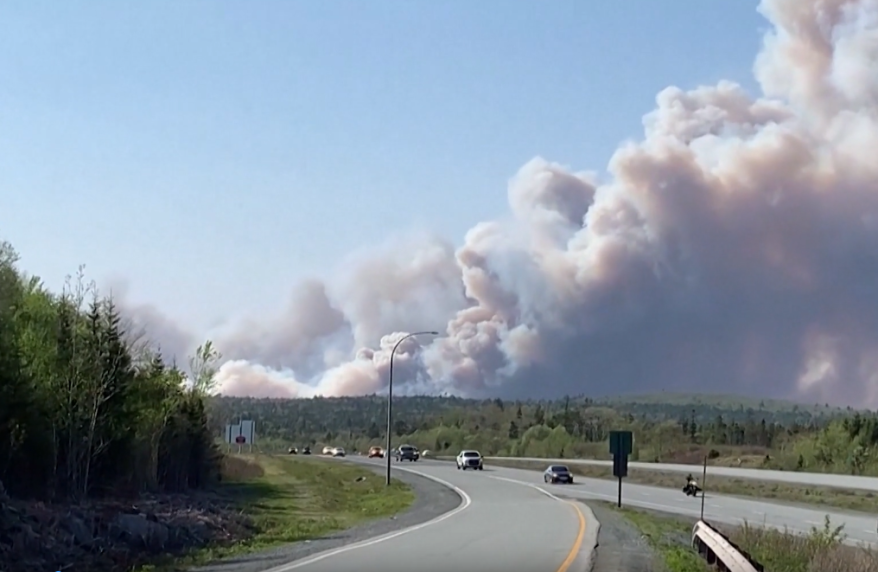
x: 703, y: 486
x: 621, y: 445
x: 241, y: 433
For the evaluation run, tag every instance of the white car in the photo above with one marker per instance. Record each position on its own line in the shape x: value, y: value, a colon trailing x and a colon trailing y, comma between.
x: 327, y: 450
x: 469, y: 460
x: 338, y: 452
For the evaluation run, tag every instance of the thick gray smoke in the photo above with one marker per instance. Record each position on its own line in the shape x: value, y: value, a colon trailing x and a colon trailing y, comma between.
x: 734, y: 248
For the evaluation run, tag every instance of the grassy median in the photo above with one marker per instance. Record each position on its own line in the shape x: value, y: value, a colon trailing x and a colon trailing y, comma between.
x: 291, y: 499
x: 849, y: 499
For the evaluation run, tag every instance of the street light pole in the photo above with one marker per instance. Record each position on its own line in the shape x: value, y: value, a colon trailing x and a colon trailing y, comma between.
x: 390, y: 398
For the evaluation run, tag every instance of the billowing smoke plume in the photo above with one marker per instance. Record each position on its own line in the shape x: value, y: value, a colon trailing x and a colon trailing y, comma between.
x: 734, y: 248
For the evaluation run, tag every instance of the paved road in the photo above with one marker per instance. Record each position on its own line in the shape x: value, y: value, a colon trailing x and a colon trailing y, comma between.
x: 501, y: 525
x: 813, y: 479
x: 718, y: 508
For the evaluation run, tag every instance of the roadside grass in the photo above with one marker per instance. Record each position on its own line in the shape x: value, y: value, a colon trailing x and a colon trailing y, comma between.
x: 291, y: 499
x: 669, y: 538
x: 821, y: 550
x: 849, y: 499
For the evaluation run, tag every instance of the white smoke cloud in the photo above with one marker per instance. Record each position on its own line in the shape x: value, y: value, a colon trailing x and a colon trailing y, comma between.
x: 733, y: 247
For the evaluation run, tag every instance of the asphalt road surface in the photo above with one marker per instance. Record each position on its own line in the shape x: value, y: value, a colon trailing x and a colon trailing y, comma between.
x: 812, y: 479
x: 859, y: 528
x: 502, y: 524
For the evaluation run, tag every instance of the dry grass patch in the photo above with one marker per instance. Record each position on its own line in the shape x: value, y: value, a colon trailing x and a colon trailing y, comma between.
x: 822, y: 550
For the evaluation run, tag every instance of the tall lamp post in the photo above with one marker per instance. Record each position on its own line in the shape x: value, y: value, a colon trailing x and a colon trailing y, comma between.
x: 390, y: 397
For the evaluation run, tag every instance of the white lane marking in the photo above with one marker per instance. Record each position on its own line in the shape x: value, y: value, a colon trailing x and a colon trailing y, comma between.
x: 467, y: 501
x: 531, y: 485
x: 673, y: 509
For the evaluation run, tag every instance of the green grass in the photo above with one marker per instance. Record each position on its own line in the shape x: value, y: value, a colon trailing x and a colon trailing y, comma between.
x: 669, y: 537
x: 291, y: 499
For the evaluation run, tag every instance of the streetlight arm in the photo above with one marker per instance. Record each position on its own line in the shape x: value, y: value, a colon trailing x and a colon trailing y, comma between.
x: 390, y: 397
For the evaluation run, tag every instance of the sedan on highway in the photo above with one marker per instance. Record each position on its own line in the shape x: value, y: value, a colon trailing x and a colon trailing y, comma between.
x: 558, y: 474
x: 469, y: 460
x: 338, y: 452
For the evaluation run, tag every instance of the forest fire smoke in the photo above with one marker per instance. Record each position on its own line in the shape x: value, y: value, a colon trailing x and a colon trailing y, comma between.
x: 734, y: 247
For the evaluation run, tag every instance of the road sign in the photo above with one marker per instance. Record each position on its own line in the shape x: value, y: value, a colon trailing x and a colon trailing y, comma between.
x: 621, y: 442
x: 240, y: 439
x: 621, y: 445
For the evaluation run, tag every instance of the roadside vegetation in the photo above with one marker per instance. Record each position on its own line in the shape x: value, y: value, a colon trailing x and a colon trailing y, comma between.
x: 109, y: 459
x: 88, y: 406
x: 291, y: 499
x: 849, y: 499
x: 670, y: 538
x: 681, y: 429
x: 821, y: 550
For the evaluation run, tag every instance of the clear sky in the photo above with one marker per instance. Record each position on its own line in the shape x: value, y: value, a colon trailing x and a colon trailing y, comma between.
x: 213, y: 153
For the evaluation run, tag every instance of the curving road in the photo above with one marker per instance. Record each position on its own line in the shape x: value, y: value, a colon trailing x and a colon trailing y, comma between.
x: 858, y: 527
x: 502, y: 481
x: 812, y: 479
x: 501, y: 524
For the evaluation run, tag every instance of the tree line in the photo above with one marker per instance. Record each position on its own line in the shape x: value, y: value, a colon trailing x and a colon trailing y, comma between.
x: 790, y: 437
x: 88, y: 406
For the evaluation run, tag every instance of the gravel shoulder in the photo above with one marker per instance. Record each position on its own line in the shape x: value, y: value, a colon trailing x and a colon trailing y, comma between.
x: 621, y: 546
x: 431, y: 500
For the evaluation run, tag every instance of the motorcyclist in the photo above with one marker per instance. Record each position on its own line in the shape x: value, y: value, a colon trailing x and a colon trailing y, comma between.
x: 690, y: 482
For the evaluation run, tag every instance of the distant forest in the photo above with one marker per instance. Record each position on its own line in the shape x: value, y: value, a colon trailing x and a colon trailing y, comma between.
x: 313, y: 420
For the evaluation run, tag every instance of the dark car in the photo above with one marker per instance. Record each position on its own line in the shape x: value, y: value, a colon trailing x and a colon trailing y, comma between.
x: 558, y: 474
x: 407, y: 453
x: 306, y: 450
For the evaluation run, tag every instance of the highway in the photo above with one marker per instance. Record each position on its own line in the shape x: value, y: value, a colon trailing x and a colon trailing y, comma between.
x: 801, y: 478
x: 499, y: 525
x: 858, y: 527
x: 510, y: 519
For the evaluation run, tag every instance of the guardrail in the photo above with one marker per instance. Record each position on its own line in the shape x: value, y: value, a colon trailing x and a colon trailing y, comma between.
x: 719, y: 551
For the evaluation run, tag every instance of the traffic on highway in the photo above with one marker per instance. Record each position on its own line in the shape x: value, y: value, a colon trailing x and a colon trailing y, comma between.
x: 537, y: 521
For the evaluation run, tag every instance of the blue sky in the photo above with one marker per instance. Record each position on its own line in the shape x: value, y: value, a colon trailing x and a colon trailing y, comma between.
x: 213, y: 153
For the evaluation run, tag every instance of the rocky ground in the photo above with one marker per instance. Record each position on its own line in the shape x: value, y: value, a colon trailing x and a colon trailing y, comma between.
x: 111, y: 536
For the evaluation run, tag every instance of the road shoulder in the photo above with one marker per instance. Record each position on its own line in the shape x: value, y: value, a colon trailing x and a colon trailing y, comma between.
x: 432, y: 500
x: 621, y: 546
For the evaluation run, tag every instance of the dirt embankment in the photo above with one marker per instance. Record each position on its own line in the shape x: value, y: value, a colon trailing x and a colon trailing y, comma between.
x: 112, y: 535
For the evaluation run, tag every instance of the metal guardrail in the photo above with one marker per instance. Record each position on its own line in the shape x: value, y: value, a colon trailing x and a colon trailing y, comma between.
x: 719, y: 551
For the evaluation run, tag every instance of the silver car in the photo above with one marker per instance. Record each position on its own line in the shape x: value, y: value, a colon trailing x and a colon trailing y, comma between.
x: 470, y: 460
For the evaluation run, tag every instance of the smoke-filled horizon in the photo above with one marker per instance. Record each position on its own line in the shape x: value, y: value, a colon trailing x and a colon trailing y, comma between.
x: 732, y: 248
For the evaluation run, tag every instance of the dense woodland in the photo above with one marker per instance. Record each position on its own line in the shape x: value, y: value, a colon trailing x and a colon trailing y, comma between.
x: 666, y: 428
x: 89, y: 407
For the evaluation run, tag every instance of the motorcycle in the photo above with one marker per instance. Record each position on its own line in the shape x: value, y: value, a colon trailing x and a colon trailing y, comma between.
x: 691, y: 490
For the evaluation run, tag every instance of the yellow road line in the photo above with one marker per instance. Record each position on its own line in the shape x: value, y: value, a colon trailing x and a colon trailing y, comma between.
x: 574, y: 552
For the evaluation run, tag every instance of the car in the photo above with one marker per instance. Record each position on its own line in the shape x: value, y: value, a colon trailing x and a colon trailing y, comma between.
x: 407, y: 453
x: 292, y: 451
x: 376, y: 452
x: 306, y: 450
x: 470, y: 460
x: 327, y: 450
x: 338, y: 452
x: 558, y: 474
